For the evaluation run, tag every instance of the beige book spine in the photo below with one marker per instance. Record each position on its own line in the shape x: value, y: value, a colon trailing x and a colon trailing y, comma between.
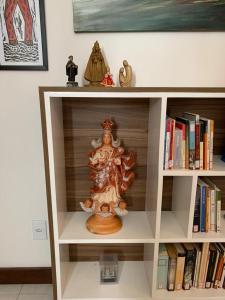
x: 179, y: 272
x: 203, y: 263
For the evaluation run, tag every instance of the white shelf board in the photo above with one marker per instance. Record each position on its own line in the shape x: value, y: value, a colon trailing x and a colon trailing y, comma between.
x: 191, y: 294
x: 171, y: 230
x: 218, y: 170
x: 83, y: 281
x: 136, y: 229
x: 211, y: 236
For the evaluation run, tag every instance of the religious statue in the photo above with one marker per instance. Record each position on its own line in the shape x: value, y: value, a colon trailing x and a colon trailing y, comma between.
x: 125, y: 79
x: 71, y: 72
x: 111, y: 173
x: 96, y: 68
x: 107, y: 80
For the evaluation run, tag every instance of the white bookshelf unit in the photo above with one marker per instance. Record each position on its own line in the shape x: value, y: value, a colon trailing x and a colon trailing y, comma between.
x: 140, y: 114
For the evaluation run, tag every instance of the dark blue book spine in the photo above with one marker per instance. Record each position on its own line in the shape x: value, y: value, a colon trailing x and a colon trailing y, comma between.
x: 203, y: 209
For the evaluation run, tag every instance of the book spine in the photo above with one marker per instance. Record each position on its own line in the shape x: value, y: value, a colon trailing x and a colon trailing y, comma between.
x: 178, y: 161
x: 218, y: 210
x: 172, y: 137
x: 207, y: 210
x: 162, y: 273
x: 219, y: 271
x: 171, y: 274
x: 206, y: 269
x: 167, y: 144
x: 203, y: 264
x: 191, y: 145
x: 202, y: 208
x: 208, y: 144
x: 211, y: 144
x: 211, y: 267
x: 197, y: 145
x: 179, y: 272
x: 201, y: 145
x: 197, y: 210
x: 197, y: 267
x: 213, y: 217
x: 182, y: 127
x: 188, y: 270
x: 215, y: 268
x: 205, y: 161
x: 222, y: 277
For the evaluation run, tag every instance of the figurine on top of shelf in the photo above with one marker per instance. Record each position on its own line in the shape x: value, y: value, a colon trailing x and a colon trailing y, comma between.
x: 107, y: 80
x: 110, y: 171
x: 96, y: 68
x: 125, y: 79
x: 71, y: 72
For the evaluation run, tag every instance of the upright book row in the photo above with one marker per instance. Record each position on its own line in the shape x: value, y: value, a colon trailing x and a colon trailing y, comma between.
x: 207, y: 213
x: 183, y: 266
x: 189, y: 142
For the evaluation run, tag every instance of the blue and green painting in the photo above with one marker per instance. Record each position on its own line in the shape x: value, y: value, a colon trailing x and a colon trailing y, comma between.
x: 148, y: 15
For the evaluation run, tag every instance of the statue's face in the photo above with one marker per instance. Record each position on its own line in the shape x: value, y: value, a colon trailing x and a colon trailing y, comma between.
x: 107, y: 139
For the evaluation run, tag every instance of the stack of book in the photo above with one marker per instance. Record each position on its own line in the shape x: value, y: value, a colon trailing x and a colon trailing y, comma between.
x: 189, y: 142
x: 207, y: 213
x: 183, y: 266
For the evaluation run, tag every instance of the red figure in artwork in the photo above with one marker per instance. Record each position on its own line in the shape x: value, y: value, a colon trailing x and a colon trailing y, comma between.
x: 10, y: 6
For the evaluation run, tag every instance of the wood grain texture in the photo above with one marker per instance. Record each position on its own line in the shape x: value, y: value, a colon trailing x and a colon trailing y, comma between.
x: 25, y: 275
x: 82, y: 118
x: 167, y: 193
x: 81, y: 252
x: 209, y: 108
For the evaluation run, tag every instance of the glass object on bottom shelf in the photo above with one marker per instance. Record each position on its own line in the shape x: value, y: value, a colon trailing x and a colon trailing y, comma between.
x: 108, y: 268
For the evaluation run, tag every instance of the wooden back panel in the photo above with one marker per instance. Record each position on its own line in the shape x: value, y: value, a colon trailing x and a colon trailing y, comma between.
x: 81, y: 252
x: 82, y: 119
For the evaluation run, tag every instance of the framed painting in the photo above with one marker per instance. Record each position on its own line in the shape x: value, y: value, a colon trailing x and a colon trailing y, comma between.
x: 148, y: 15
x: 23, y: 43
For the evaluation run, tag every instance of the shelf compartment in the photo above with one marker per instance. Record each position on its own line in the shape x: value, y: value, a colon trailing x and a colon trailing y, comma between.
x: 80, y: 271
x: 192, y: 294
x: 218, y: 170
x: 83, y: 281
x: 136, y: 229
x: 176, y: 201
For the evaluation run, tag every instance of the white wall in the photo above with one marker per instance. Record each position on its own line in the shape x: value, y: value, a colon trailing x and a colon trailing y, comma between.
x: 158, y: 59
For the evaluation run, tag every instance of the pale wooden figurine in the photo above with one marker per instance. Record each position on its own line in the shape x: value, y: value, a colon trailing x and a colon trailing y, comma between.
x: 110, y: 171
x: 125, y: 79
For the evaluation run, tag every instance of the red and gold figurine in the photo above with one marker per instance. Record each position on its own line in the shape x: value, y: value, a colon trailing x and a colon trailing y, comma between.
x: 111, y: 173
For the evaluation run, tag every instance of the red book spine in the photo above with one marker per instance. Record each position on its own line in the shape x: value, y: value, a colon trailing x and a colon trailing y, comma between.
x: 197, y: 146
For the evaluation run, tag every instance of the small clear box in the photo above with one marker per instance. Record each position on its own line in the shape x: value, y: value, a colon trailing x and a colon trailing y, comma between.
x: 108, y: 268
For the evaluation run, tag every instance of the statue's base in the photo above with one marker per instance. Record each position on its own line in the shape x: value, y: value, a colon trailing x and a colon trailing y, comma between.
x: 100, y: 225
x: 94, y: 84
x: 72, y: 84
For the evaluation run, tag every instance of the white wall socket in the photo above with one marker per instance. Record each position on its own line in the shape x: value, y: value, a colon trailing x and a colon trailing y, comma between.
x: 39, y: 229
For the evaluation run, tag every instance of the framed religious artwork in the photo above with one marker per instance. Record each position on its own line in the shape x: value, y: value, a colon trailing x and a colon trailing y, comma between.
x: 148, y: 15
x: 23, y: 43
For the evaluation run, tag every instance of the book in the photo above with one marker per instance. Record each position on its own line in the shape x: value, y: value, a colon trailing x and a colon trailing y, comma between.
x: 216, y: 263
x: 172, y: 137
x: 206, y: 142
x: 178, y: 150
x: 196, y: 222
x: 197, y: 264
x: 220, y: 264
x: 182, y: 127
x: 213, y: 214
x: 202, y: 132
x: 167, y: 143
x: 203, y: 187
x: 218, y: 196
x: 180, y: 252
x: 162, y: 267
x: 207, y: 209
x: 186, y: 124
x: 203, y: 265
x: 189, y: 265
x: 195, y: 118
x: 211, y: 265
x: 211, y: 144
x: 172, y: 263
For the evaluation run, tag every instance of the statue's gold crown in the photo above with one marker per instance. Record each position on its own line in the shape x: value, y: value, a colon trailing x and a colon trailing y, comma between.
x: 107, y: 125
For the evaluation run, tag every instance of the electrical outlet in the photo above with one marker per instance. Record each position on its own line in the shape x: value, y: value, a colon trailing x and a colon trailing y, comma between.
x: 39, y: 229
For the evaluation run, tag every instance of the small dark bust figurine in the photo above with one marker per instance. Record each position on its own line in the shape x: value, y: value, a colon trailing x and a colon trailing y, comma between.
x: 71, y: 72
